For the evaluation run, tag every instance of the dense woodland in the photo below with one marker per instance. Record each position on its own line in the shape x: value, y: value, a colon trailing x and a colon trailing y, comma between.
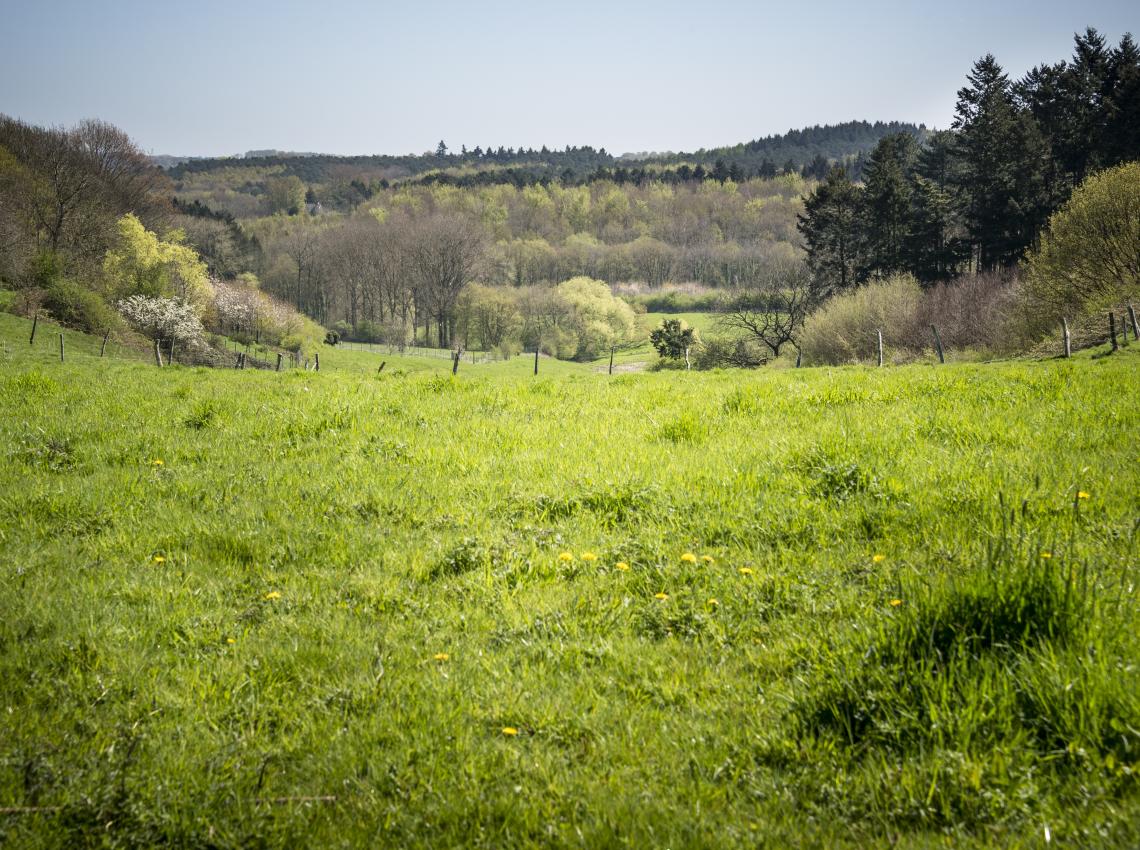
x: 474, y: 248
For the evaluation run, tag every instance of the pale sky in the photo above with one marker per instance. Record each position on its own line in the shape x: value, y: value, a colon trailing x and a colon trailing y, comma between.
x: 215, y: 78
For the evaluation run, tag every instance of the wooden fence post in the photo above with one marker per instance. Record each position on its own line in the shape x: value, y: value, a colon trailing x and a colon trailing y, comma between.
x: 1065, y: 338
x: 688, y: 363
x: 171, y: 358
x: 880, y: 334
x: 35, y: 323
x: 1123, y: 329
x: 157, y: 355
x: 317, y: 362
x: 536, y: 360
x: 103, y: 347
x: 61, y: 348
x: 938, y: 344
x: 382, y: 364
x: 455, y: 361
x: 278, y: 361
x: 1135, y: 326
x: 1112, y: 329
x: 611, y: 359
x: 799, y: 356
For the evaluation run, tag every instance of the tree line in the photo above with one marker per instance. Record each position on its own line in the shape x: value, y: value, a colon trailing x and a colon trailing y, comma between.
x: 976, y: 197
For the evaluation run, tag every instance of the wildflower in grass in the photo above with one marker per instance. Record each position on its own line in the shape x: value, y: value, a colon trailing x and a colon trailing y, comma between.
x: 158, y: 559
x: 621, y: 565
x: 566, y: 556
x: 589, y: 556
x: 878, y: 559
x: 230, y: 640
x: 895, y: 603
x: 441, y: 656
x: 745, y: 571
x: 712, y: 603
x: 661, y: 596
x: 273, y: 594
x: 156, y: 462
x: 1081, y: 494
x: 708, y: 559
x: 1046, y: 555
x: 510, y: 731
x: 689, y: 558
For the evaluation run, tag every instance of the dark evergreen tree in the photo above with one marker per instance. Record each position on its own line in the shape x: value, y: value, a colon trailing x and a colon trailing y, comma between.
x: 887, y: 203
x: 831, y: 225
x: 1001, y: 153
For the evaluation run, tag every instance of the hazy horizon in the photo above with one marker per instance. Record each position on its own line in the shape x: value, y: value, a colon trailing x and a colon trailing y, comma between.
x: 357, y: 78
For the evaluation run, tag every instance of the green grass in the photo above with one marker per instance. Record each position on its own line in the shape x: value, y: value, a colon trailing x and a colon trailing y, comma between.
x: 224, y: 590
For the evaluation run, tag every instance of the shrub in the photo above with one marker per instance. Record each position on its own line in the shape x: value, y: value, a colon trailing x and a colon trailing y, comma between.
x: 76, y: 307
x: 719, y: 353
x: 1089, y: 258
x: 843, y: 330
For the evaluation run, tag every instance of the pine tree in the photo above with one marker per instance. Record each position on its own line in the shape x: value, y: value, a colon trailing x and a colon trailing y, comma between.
x: 832, y: 228
x: 1001, y: 153
x: 887, y: 202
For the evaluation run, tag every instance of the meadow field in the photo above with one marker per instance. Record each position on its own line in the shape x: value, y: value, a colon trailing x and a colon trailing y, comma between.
x: 833, y: 607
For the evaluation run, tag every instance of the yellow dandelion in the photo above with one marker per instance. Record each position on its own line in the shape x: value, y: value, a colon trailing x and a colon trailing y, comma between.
x: 745, y: 571
x: 156, y: 462
x: 708, y: 559
x: 689, y: 558
x: 589, y: 556
x: 510, y: 731
x: 441, y: 656
x: 621, y: 565
x: 713, y: 602
x: 273, y: 594
x: 230, y: 640
x: 1081, y: 494
x: 158, y: 559
x: 661, y: 596
x: 566, y: 556
x: 878, y: 559
x: 895, y: 603
x: 1046, y: 555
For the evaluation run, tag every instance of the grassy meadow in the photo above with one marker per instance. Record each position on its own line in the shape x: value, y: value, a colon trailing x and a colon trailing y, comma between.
x: 842, y: 607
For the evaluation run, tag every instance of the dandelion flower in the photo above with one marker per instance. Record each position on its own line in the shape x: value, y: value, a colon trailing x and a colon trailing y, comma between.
x: 689, y: 558
x: 621, y: 565
x: 713, y: 602
x: 895, y: 603
x: 566, y: 556
x: 1046, y: 555
x: 156, y: 462
x: 158, y: 559
x: 273, y: 594
x: 708, y: 559
x: 589, y: 556
x: 1081, y: 494
x: 441, y: 656
x: 230, y: 640
x: 510, y: 731
x: 878, y: 559
x: 661, y: 596
x: 745, y: 571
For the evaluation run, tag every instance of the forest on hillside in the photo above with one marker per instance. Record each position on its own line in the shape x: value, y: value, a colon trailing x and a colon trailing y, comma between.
x: 474, y: 248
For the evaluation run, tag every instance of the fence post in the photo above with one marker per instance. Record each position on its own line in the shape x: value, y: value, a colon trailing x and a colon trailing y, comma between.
x: 382, y: 364
x: 455, y: 361
x: 688, y: 363
x: 1065, y: 338
x: 171, y: 359
x: 611, y: 359
x: 1112, y: 329
x: 1135, y: 326
x: 103, y: 347
x: 317, y: 362
x: 938, y: 344
x: 61, y: 348
x: 880, y: 335
x: 35, y: 322
x: 157, y: 355
x: 799, y: 355
x: 536, y: 360
x: 278, y: 361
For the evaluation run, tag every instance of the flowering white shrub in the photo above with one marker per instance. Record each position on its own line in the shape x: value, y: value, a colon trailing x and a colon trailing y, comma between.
x: 163, y: 318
